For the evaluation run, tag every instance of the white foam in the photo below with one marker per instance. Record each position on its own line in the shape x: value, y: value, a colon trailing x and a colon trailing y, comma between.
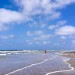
x: 65, y: 60
x: 2, y: 54
x: 71, y: 68
x: 28, y: 67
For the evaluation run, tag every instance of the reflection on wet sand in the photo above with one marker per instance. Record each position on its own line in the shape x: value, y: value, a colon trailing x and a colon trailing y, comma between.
x: 69, y: 54
x: 1, y: 57
x: 44, y: 68
x: 38, y: 64
x: 14, y: 62
x: 71, y: 63
x: 55, y: 64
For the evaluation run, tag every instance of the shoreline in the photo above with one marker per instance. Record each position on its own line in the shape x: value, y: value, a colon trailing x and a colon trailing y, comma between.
x: 28, y: 66
x: 67, y: 61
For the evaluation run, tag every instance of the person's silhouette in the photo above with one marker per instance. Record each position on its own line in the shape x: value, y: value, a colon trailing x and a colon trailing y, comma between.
x: 45, y: 51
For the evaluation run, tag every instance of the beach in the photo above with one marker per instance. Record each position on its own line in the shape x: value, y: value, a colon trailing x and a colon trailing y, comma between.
x: 69, y: 54
x: 70, y: 62
x: 51, y: 63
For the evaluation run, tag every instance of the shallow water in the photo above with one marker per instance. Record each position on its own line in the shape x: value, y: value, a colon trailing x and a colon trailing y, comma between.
x: 65, y: 73
x: 51, y: 65
x: 17, y: 61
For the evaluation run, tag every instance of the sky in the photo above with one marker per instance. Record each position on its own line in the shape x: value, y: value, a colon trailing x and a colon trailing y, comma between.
x: 37, y: 24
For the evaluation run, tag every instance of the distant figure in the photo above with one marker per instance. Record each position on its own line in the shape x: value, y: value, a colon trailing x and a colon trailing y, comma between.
x: 45, y: 51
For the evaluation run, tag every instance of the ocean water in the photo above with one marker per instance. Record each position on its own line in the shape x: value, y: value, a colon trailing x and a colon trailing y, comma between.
x: 43, y: 63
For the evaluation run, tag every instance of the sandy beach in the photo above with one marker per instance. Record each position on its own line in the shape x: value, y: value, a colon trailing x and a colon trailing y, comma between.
x: 69, y: 54
x: 51, y: 63
x: 70, y: 62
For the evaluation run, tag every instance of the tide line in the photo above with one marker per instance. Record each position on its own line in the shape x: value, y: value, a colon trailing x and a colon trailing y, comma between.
x: 71, y: 68
x: 28, y: 66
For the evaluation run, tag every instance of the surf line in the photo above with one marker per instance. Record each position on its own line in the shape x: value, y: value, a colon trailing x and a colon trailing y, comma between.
x: 28, y: 66
x: 71, y: 68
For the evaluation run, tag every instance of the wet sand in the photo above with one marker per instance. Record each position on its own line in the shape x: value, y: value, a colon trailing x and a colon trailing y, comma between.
x: 44, y: 68
x: 54, y: 63
x: 36, y: 64
x: 71, y: 71
x: 71, y: 63
x: 1, y: 57
x: 13, y: 62
x: 69, y: 54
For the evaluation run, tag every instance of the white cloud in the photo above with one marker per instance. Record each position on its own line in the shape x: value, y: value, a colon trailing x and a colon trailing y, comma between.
x: 33, y: 24
x: 52, y: 27
x: 66, y: 30
x: 7, y: 16
x: 36, y: 33
x: 6, y: 36
x: 58, y: 24
x: 54, y: 15
x: 45, y: 42
x: 30, y: 42
x: 42, y: 37
x: 62, y: 22
x: 32, y: 7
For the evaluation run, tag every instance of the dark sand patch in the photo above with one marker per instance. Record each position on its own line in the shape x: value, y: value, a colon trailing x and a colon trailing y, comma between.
x: 69, y: 55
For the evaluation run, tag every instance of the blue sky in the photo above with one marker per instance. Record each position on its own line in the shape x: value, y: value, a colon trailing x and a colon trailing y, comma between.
x: 37, y: 24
